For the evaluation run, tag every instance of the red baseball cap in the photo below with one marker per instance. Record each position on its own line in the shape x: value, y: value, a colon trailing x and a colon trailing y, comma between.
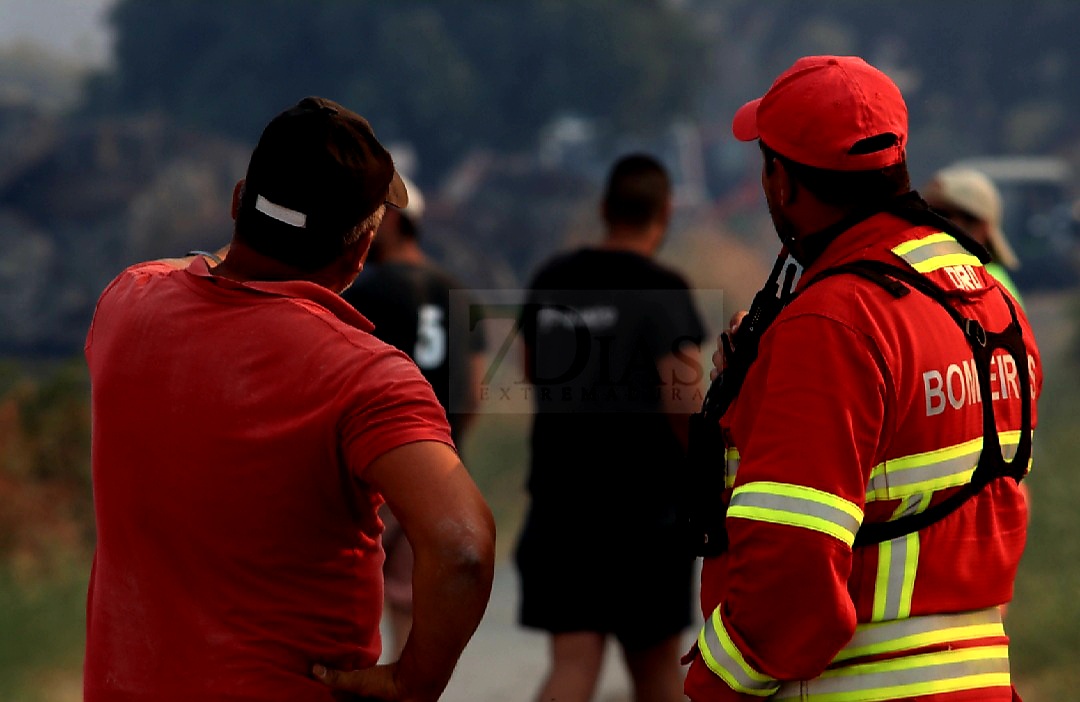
x: 821, y: 111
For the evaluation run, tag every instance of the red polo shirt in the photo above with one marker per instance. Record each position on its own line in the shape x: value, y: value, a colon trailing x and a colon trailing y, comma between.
x: 237, y: 541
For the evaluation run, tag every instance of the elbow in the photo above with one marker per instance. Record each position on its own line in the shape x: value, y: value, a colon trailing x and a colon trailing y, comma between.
x: 476, y: 554
x: 476, y: 566
x: 468, y: 551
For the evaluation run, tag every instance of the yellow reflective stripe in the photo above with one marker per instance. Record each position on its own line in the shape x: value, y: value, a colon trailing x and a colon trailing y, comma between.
x: 944, y: 468
x: 934, y: 252
x: 913, y: 244
x: 878, y: 638
x: 796, y: 505
x: 897, y: 566
x: 913, y: 504
x: 731, y: 466
x: 724, y: 659
x: 941, y: 672
x: 939, y: 262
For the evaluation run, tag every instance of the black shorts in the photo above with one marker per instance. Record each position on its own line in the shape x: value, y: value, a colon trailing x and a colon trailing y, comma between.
x: 635, y: 586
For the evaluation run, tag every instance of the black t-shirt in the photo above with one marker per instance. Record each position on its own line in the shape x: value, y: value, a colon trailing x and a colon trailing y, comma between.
x: 595, y: 323
x: 423, y: 311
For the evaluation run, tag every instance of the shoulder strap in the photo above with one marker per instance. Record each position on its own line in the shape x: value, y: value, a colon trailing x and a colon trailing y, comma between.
x: 898, y: 281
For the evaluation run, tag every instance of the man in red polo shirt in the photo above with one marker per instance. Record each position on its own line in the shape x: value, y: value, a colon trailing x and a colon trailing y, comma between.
x: 246, y: 428
x: 874, y: 519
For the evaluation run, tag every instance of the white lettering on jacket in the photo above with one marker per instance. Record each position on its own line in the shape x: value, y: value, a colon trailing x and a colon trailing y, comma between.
x: 958, y: 384
x: 963, y: 277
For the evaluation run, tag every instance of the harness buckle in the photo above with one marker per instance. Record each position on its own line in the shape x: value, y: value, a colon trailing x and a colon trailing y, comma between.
x: 974, y: 331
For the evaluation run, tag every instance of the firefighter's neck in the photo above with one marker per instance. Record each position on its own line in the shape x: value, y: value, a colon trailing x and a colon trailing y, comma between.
x: 807, y: 225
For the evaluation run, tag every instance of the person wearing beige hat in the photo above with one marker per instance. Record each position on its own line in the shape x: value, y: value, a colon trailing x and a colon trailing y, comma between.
x: 969, y: 198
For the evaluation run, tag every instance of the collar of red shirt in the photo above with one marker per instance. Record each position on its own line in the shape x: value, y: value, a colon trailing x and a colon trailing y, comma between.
x: 301, y: 289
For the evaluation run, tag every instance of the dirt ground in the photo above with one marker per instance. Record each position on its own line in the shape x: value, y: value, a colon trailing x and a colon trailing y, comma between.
x: 505, y: 663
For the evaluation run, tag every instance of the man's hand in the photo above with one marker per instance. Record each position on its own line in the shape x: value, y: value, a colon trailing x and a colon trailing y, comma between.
x: 375, y: 683
x: 725, y: 345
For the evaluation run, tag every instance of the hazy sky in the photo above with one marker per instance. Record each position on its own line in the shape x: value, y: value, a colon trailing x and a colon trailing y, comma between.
x: 71, y: 28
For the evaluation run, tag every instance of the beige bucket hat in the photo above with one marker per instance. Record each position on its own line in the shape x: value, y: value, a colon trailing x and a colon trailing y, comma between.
x: 972, y: 192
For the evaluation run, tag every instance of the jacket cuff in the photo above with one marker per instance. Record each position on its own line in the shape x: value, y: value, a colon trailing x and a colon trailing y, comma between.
x: 702, y: 685
x: 720, y: 655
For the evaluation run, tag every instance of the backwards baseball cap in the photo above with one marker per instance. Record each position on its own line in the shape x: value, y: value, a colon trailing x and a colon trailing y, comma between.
x: 833, y: 112
x: 317, y: 172
x: 971, y: 192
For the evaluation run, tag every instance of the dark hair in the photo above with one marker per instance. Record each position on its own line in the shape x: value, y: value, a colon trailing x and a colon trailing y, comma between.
x: 638, y: 190
x: 846, y: 189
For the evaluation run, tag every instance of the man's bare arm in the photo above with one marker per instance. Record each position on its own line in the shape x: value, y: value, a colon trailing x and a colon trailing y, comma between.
x: 452, y: 533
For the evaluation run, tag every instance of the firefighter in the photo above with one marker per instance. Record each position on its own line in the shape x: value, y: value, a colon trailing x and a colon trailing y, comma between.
x: 874, y: 519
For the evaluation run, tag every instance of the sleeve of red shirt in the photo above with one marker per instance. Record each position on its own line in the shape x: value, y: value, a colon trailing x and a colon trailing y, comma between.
x: 815, y: 420
x: 119, y: 292
x: 393, y: 405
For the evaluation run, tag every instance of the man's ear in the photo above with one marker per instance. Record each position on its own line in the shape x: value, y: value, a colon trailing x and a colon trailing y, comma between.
x: 357, y: 254
x: 365, y: 242
x: 343, y: 271
x: 237, y: 195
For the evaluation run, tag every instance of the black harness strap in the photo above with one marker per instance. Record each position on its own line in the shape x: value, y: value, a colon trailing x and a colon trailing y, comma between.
x: 704, y: 521
x: 992, y: 463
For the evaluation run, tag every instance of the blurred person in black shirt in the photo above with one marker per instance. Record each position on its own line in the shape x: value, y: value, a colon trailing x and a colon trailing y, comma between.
x: 612, y: 347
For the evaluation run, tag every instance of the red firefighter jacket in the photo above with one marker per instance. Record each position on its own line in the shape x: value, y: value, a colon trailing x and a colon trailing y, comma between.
x: 860, y: 408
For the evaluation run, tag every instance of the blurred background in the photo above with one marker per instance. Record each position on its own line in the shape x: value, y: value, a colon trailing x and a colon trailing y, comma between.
x: 125, y: 123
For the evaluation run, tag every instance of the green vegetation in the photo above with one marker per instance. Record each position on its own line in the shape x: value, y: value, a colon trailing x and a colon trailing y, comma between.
x: 43, y: 625
x: 1044, y: 618
x: 46, y: 529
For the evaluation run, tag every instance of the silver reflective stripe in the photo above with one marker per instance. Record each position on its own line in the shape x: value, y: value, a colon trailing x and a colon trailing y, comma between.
x: 725, y: 660
x: 905, y: 249
x: 912, y: 505
x: 796, y: 505
x: 897, y: 567
x: 934, y: 470
x: 903, y: 676
x: 934, y: 252
x: 974, y: 668
x: 731, y: 466
x: 904, y: 634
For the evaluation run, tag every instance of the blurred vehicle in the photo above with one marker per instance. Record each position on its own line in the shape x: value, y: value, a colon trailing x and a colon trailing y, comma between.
x: 1040, y: 217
